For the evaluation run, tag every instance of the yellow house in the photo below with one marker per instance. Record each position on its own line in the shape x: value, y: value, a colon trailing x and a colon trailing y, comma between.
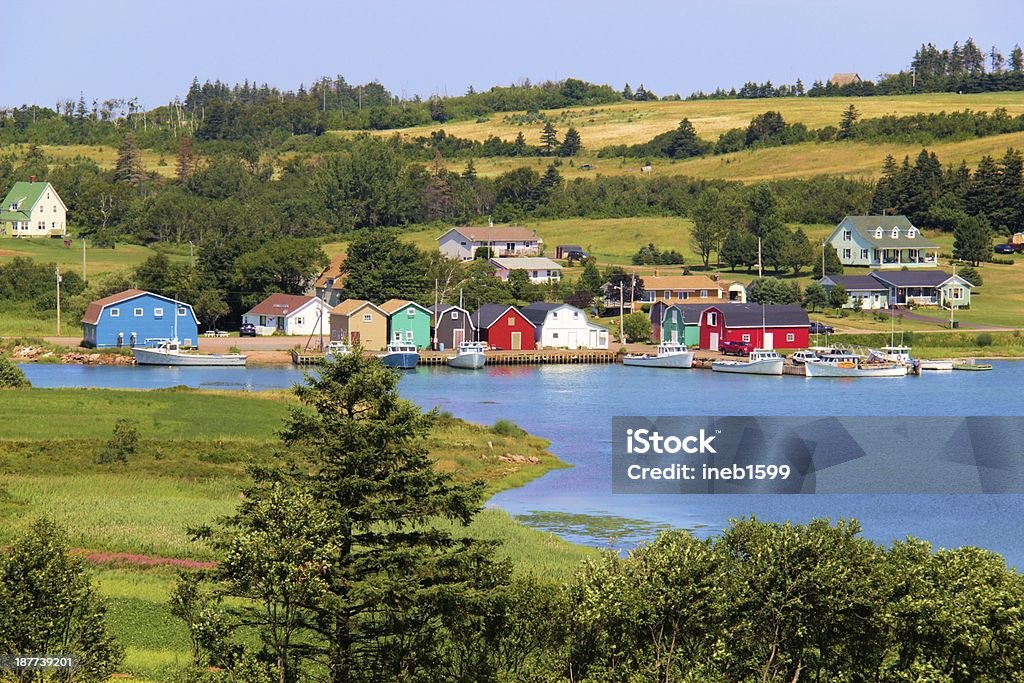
x: 357, y: 321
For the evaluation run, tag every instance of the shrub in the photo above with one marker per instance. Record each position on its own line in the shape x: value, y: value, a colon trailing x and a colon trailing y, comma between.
x: 11, y: 376
x: 983, y: 339
x: 971, y: 274
x: 637, y: 327
x: 123, y: 443
x: 507, y: 428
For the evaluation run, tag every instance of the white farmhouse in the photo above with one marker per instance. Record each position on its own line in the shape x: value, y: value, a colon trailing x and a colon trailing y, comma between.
x: 514, y: 240
x: 33, y: 209
x: 538, y: 268
x: 882, y: 242
x: 290, y: 314
x: 561, y: 326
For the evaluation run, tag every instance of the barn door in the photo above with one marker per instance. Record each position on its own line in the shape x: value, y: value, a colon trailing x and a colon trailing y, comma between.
x: 675, y: 336
x: 574, y: 342
x: 458, y: 337
x: 714, y: 341
x: 769, y: 340
x: 517, y: 341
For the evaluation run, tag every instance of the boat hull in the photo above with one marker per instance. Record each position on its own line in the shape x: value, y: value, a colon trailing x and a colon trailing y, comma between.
x: 972, y: 366
x: 772, y: 366
x: 402, y: 360
x: 677, y: 360
x: 835, y: 370
x: 936, y: 364
x: 467, y: 361
x: 157, y: 357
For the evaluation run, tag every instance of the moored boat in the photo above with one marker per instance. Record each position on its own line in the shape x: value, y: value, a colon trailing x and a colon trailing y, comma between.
x: 470, y: 356
x: 760, y: 362
x: 941, y: 364
x: 971, y: 365
x: 401, y: 356
x: 894, y: 353
x: 669, y: 355
x: 169, y: 352
x: 847, y: 369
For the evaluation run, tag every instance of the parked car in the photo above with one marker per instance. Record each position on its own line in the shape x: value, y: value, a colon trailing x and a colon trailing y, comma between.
x: 1004, y: 249
x: 735, y: 348
x: 821, y: 328
x: 247, y: 330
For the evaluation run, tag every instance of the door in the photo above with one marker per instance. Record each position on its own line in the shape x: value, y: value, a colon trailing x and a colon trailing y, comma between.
x: 354, y: 338
x: 517, y: 341
x: 714, y: 341
x: 769, y: 340
x: 458, y: 337
x: 574, y: 342
x: 675, y: 336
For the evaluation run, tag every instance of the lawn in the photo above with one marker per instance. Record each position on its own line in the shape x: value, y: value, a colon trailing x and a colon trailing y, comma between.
x: 190, y: 466
x: 98, y: 261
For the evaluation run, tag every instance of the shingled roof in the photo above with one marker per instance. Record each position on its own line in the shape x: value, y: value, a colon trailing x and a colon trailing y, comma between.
x: 508, y: 233
x: 866, y: 226
x: 488, y: 314
x: 281, y: 304
x: 915, y: 278
x: 750, y: 315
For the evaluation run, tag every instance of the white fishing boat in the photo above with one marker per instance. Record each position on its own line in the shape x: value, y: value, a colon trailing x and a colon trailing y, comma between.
x: 401, y: 356
x: 470, y: 356
x: 848, y: 369
x: 760, y: 362
x: 169, y: 352
x: 335, y: 349
x: 894, y: 353
x: 669, y: 355
x: 834, y: 355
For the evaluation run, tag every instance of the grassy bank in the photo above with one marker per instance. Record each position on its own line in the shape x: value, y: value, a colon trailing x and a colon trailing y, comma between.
x: 190, y: 464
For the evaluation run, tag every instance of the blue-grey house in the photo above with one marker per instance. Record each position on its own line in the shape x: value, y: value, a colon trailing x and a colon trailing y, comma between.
x: 131, y: 317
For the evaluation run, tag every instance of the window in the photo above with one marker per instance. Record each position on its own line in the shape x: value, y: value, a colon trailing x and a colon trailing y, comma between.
x: 911, y: 232
x: 511, y: 246
x: 864, y: 254
x: 511, y: 321
x: 115, y: 313
x: 846, y: 253
x: 703, y: 294
x: 158, y: 313
x: 263, y: 321
x: 575, y: 315
x: 713, y: 319
x: 554, y: 315
x: 956, y: 292
x: 682, y: 295
x: 55, y: 208
x: 182, y: 310
x: 847, y: 235
x: 790, y: 337
x: 42, y: 225
x: 408, y: 335
x: 139, y: 312
x: 878, y: 232
x: 454, y: 315
x: 554, y: 335
x: 53, y: 225
x: 895, y: 233
x: 300, y: 321
x: 410, y: 312
x: 367, y: 317
x: 746, y: 337
x: 533, y: 274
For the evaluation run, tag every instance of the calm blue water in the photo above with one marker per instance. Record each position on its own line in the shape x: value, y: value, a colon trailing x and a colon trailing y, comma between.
x: 573, y: 406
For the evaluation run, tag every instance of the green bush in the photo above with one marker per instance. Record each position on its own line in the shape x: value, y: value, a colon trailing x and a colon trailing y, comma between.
x: 983, y: 339
x: 11, y: 376
x: 507, y: 428
x: 123, y: 444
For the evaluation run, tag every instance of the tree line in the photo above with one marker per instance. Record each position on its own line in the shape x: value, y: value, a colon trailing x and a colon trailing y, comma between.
x: 349, y: 561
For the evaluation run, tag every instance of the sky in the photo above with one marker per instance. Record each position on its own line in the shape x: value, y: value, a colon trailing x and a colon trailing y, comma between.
x: 149, y: 50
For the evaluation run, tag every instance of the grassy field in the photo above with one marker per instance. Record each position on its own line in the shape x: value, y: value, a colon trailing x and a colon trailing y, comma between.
x: 193, y: 451
x: 98, y: 262
x: 104, y: 156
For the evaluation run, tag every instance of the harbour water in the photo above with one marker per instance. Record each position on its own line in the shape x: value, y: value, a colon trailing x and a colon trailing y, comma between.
x: 572, y: 406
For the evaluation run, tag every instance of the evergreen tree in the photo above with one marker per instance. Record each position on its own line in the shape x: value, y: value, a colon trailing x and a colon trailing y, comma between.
x: 341, y: 552
x: 846, y: 124
x: 627, y: 92
x: 1016, y: 59
x: 763, y: 211
x: 985, y: 191
x: 884, y: 197
x: 591, y: 280
x: 838, y: 296
x: 739, y: 249
x: 1009, y: 215
x: 470, y: 172
x: 815, y: 296
x: 519, y: 146
x: 551, y: 180
x: 382, y: 267
x: 797, y: 253
x: 549, y: 139
x: 684, y: 142
x: 129, y: 168
x: 707, y: 225
x: 972, y: 240
x: 833, y: 266
x: 571, y: 145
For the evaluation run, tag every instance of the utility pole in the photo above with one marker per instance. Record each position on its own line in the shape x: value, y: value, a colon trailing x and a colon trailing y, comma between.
x: 84, y: 279
x: 759, y: 257
x: 57, y: 271
x: 622, y: 313
x: 823, y: 273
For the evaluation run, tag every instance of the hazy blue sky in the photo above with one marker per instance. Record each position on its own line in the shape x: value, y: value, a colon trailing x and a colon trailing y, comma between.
x: 152, y: 50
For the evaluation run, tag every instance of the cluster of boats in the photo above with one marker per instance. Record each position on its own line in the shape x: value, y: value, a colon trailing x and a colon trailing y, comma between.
x: 825, y: 361
x: 468, y: 356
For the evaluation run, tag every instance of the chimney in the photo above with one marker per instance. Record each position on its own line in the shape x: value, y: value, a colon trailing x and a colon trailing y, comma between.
x: 31, y: 178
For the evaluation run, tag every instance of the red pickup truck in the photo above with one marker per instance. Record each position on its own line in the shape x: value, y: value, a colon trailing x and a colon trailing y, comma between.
x: 735, y: 348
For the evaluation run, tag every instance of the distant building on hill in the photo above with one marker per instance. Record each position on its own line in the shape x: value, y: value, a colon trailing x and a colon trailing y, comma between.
x: 839, y: 80
x: 33, y: 209
x: 513, y: 240
x: 882, y: 242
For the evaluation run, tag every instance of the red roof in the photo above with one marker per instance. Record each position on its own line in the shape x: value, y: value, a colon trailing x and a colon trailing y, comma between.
x: 92, y: 313
x: 280, y: 304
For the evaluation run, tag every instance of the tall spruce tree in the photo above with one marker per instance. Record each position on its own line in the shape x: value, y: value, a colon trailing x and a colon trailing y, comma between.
x: 129, y: 168
x: 571, y: 144
x: 549, y: 139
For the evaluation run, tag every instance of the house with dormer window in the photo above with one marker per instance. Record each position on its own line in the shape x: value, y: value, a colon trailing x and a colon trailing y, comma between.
x: 882, y: 242
x: 33, y: 209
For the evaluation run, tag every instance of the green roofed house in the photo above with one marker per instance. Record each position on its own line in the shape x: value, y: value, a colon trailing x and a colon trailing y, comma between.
x: 408, y: 323
x: 33, y: 209
x: 883, y: 242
